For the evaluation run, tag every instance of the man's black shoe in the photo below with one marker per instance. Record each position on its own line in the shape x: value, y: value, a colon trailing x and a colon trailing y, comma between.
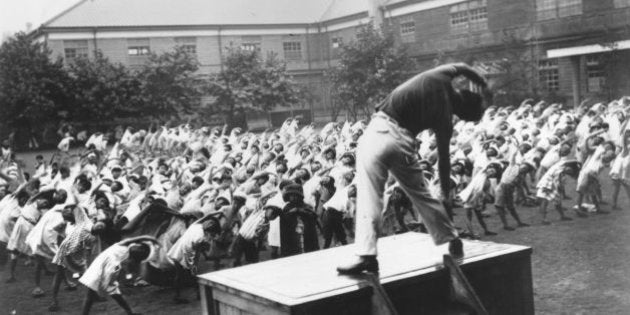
x: 456, y: 248
x: 364, y: 263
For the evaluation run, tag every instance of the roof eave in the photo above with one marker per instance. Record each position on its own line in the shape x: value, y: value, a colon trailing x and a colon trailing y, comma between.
x: 62, y: 29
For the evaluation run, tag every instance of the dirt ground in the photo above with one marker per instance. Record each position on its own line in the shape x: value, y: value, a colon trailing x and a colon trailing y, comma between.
x: 579, y: 267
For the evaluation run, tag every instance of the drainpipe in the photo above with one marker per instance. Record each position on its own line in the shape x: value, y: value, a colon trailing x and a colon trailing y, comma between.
x: 220, y: 49
x: 308, y: 61
x: 94, y: 30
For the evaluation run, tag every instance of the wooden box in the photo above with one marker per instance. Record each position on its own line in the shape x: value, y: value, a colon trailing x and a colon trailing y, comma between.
x: 411, y: 271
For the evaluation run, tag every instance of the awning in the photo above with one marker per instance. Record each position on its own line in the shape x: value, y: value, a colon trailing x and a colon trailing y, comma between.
x: 587, y: 49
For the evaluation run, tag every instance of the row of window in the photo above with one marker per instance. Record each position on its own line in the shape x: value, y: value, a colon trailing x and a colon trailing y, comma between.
x: 549, y: 74
x: 472, y: 16
x: 141, y: 47
x: 469, y: 16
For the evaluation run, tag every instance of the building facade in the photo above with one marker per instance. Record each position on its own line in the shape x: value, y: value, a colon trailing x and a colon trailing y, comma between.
x: 571, y: 49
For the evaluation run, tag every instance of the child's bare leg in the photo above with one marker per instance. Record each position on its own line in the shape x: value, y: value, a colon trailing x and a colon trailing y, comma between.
x: 482, y: 223
x: 598, y: 202
x: 122, y: 302
x: 579, y: 210
x: 179, y: 277
x: 615, y: 193
x: 59, y: 276
x: 514, y: 214
x: 560, y: 210
x: 627, y: 189
x: 90, y: 298
x: 543, y: 211
x: 501, y: 212
x: 39, y: 267
x: 12, y: 265
x: 469, y: 227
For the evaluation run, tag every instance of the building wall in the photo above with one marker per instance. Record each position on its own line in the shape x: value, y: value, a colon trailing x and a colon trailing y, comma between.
x: 434, y: 38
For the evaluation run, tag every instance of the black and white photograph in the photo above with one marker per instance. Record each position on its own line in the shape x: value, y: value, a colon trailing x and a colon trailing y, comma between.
x: 315, y: 157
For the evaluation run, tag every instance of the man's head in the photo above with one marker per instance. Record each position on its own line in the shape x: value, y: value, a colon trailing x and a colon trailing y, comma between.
x: 468, y: 105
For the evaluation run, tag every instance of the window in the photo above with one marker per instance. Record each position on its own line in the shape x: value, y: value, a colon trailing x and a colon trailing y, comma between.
x: 551, y: 9
x: 138, y: 47
x: 292, y: 50
x: 622, y: 3
x: 478, y: 16
x: 569, y: 7
x: 138, y: 50
x: 189, y: 44
x: 549, y: 75
x: 73, y: 49
x: 459, y: 17
x: 251, y: 46
x: 595, y: 73
x: 251, y: 43
x: 469, y: 16
x: 336, y: 42
x: 407, y: 29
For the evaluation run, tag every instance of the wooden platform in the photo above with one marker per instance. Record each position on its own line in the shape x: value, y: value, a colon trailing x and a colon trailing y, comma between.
x: 411, y: 272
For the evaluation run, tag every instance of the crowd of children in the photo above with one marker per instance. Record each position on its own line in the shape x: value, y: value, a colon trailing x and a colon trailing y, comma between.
x: 149, y: 207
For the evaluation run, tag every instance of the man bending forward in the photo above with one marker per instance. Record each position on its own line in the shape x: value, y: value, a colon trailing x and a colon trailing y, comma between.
x: 426, y: 101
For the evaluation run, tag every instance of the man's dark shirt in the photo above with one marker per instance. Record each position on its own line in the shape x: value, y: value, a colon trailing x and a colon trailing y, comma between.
x: 426, y: 100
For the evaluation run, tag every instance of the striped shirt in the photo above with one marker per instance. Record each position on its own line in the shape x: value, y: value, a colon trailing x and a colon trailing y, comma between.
x: 251, y: 224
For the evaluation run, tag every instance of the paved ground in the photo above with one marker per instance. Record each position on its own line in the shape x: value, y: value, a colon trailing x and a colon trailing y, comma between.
x: 579, y: 267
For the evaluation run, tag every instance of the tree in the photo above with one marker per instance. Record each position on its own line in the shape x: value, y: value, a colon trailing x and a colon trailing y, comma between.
x: 369, y: 69
x: 248, y: 81
x: 171, y: 85
x: 611, y: 63
x: 512, y: 69
x: 274, y: 86
x: 32, y: 87
x: 102, y: 90
x: 517, y: 76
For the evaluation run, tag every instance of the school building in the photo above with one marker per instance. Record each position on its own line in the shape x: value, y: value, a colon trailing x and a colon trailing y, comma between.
x: 574, y: 49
